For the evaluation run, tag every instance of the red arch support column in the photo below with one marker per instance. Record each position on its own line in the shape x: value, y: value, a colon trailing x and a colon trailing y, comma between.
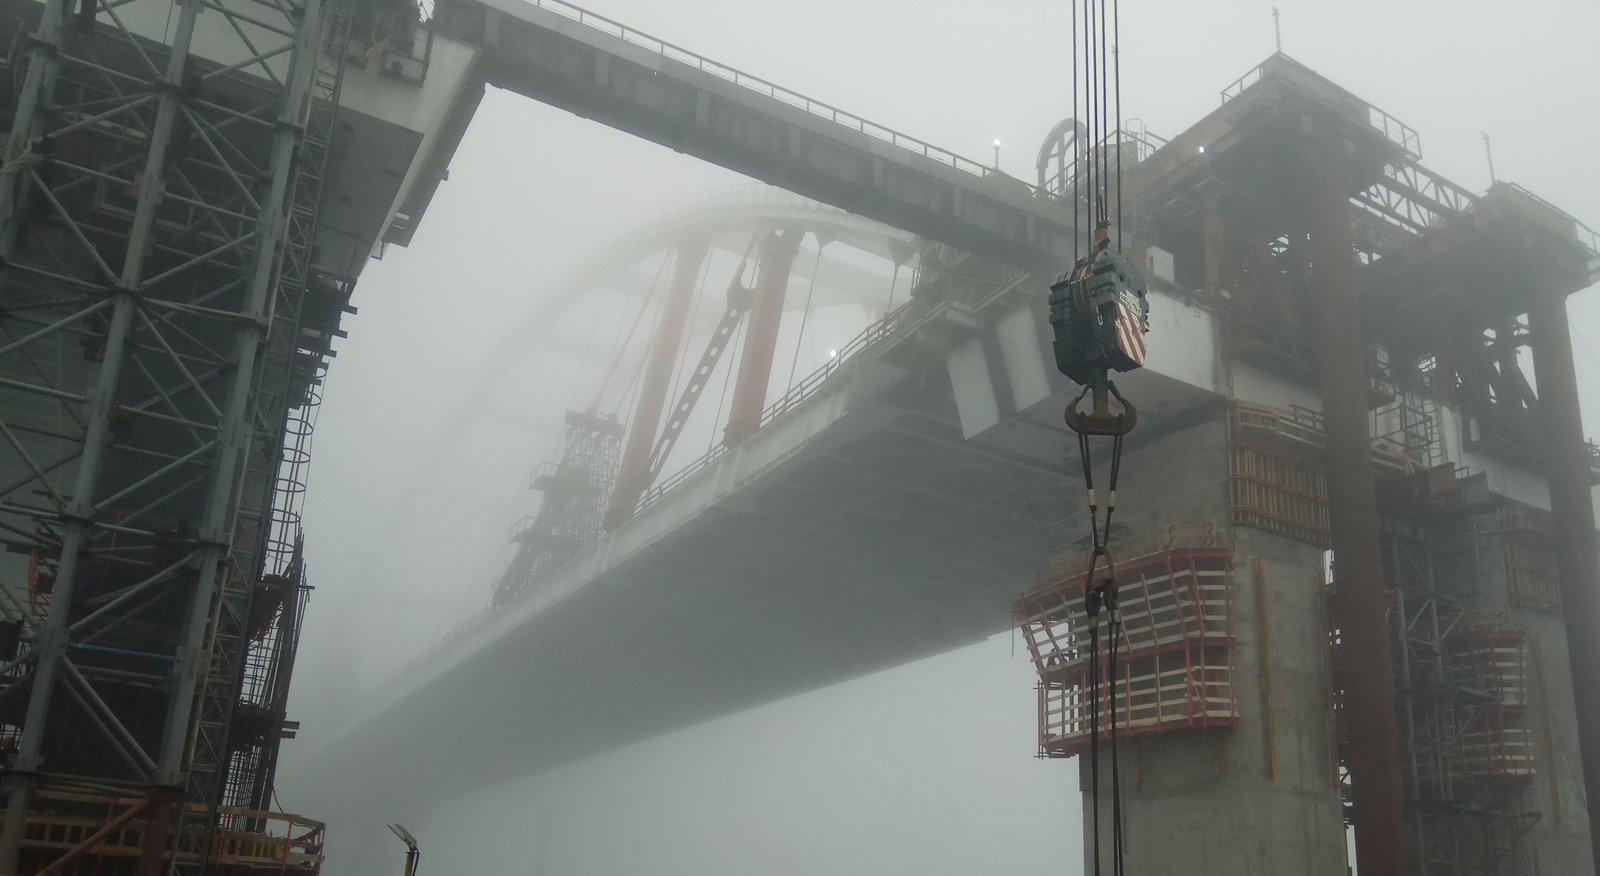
x: 633, y: 474
x: 760, y: 342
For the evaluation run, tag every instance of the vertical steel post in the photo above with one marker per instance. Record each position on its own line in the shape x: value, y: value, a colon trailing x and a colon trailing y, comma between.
x: 761, y: 340
x: 50, y: 647
x: 1362, y: 606
x: 233, y: 429
x: 35, y: 91
x: 633, y: 474
x: 1566, y: 462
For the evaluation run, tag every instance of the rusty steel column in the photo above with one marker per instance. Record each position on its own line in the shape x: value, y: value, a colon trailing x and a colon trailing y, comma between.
x: 1367, y: 667
x: 1566, y: 461
x: 761, y: 340
x: 153, y: 845
x: 633, y: 473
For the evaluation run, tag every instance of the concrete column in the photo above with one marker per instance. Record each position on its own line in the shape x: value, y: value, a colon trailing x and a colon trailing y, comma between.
x: 633, y: 474
x: 1362, y: 600
x: 1566, y: 460
x: 1260, y: 797
x: 761, y: 341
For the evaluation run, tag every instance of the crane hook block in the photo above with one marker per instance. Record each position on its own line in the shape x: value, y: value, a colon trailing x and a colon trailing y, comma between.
x: 1100, y: 315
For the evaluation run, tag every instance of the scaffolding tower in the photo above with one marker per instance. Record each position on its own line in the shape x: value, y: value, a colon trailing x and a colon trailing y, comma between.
x: 162, y: 336
x: 1461, y: 692
x: 571, y: 515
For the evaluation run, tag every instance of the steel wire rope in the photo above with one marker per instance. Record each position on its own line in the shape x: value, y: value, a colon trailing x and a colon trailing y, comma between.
x: 727, y: 381
x: 688, y: 331
x: 1093, y: 197
x: 1116, y: 73
x: 1091, y: 607
x: 1077, y: 171
x: 583, y: 361
x: 1088, y: 110
x: 888, y: 306
x: 805, y: 316
x: 1105, y: 126
x: 633, y: 389
x: 622, y: 347
x: 1092, y: 93
x: 733, y: 341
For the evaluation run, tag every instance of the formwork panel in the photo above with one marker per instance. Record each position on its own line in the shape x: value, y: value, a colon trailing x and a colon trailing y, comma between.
x: 1277, y: 480
x: 1156, y: 692
x: 1174, y: 650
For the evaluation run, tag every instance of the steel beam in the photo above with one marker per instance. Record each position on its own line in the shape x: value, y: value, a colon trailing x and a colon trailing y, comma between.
x: 1567, y: 465
x: 215, y: 364
x: 51, y: 646
x: 1367, y: 667
x: 633, y: 475
x: 761, y: 338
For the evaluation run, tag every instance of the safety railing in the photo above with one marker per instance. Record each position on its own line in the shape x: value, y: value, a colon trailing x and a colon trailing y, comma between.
x: 1586, y: 236
x: 882, y: 330
x: 1394, y: 130
x: 742, y: 195
x: 1134, y: 141
x: 770, y: 89
x: 401, y: 47
x: 455, y: 635
x: 1238, y: 86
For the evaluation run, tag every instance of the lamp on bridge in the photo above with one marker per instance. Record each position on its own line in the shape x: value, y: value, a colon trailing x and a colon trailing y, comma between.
x: 997, y: 153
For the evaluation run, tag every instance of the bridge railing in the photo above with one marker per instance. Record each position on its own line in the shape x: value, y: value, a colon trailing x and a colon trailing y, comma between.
x: 1393, y: 130
x: 770, y: 89
x: 872, y: 335
x: 1585, y: 235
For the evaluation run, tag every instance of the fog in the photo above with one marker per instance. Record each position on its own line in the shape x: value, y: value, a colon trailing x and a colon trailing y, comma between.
x: 451, y: 386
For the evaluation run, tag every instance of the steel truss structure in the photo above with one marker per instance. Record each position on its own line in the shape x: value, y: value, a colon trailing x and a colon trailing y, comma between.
x: 571, y: 515
x: 160, y: 336
x: 1461, y: 693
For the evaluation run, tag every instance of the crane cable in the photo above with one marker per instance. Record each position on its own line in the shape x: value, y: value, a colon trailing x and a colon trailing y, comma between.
x: 1097, y: 193
x: 623, y: 343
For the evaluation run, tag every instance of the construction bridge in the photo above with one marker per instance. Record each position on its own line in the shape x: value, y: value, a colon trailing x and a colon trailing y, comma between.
x: 1334, y: 364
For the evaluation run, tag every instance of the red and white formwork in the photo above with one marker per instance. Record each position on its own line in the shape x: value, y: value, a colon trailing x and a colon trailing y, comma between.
x: 1174, y: 653
x: 1492, y: 661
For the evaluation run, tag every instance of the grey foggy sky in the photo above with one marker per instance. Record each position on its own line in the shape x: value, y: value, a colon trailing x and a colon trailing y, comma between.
x: 925, y: 769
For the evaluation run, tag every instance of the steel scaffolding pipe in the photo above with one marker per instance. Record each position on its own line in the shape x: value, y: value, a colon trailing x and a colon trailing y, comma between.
x: 51, y: 646
x: 198, y: 333
x: 1367, y: 667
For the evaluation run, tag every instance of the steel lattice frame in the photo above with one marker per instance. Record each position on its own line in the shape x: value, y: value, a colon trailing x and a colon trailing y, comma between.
x: 156, y: 218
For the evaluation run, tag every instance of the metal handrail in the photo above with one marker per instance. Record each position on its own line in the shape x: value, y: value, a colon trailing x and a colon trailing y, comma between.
x: 879, y: 331
x: 1587, y: 238
x: 1392, y: 129
x: 772, y: 90
x: 1238, y: 86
